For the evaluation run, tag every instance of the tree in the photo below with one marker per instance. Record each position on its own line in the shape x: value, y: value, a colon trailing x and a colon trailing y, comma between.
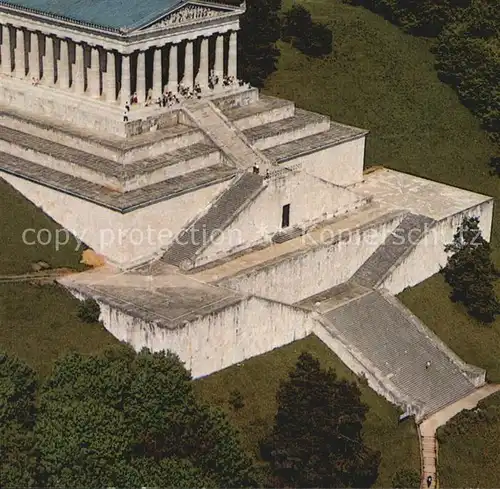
x: 317, y: 436
x: 132, y: 420
x: 471, y: 273
x: 495, y: 165
x: 317, y: 41
x: 406, y: 479
x: 89, y: 311
x: 296, y: 22
x: 259, y: 32
x: 17, y: 415
x: 312, y: 38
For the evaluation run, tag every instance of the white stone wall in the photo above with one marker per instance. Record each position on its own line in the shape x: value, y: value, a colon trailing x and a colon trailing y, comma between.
x: 65, y: 138
x: 168, y: 172
x: 63, y: 107
x: 429, y: 256
x: 311, y: 200
x: 60, y: 165
x: 341, y: 164
x: 314, y: 270
x: 261, y: 118
x: 292, y: 135
x: 219, y: 340
x: 165, y: 145
x: 124, y: 239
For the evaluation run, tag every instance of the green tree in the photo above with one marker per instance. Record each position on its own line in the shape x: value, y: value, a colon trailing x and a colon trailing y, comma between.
x: 495, y: 165
x: 406, y: 479
x: 471, y: 273
x: 259, y: 31
x: 89, y: 311
x: 317, y: 436
x: 132, y: 420
x: 295, y: 23
x: 17, y: 415
x: 312, y: 38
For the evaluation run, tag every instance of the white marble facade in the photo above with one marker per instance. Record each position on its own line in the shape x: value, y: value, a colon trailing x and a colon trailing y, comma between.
x: 172, y: 51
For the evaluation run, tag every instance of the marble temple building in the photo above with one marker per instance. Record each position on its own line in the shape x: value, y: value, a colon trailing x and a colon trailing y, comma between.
x: 229, y: 222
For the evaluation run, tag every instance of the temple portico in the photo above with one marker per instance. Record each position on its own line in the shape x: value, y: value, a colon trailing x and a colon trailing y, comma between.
x: 182, y: 45
x: 96, y: 72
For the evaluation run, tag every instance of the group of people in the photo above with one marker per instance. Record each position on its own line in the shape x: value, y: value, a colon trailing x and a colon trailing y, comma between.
x: 170, y: 99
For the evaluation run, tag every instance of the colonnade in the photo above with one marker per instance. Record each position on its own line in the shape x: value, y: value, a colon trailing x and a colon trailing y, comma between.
x: 100, y: 73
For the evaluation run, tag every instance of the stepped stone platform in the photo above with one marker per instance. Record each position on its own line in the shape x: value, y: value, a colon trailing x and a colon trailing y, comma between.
x: 165, y: 155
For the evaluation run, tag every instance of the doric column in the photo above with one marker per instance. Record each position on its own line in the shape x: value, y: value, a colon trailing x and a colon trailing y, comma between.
x: 187, y: 80
x: 20, y: 53
x: 125, y: 84
x: 48, y: 62
x: 141, y: 76
x: 232, y: 65
x: 34, y: 59
x: 202, y: 76
x: 6, y: 50
x: 219, y: 56
x: 63, y: 65
x: 94, y: 82
x: 157, y: 73
x: 79, y: 69
x: 110, y: 89
x: 172, y: 69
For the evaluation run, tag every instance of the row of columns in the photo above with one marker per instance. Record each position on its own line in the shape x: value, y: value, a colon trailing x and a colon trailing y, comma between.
x: 23, y: 59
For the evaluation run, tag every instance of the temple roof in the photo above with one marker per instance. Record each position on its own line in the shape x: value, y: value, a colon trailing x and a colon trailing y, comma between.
x: 113, y: 14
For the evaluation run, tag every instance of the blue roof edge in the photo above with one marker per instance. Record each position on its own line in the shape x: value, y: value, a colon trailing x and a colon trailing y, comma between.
x: 122, y: 30
x: 58, y: 17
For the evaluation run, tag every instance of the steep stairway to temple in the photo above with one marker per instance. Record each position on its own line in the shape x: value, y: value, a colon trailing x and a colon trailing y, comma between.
x: 381, y: 331
x: 396, y: 246
x: 227, y: 136
x: 198, y: 234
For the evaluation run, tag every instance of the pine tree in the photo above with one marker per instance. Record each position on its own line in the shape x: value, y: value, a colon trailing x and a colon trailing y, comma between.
x: 471, y: 273
x: 317, y: 437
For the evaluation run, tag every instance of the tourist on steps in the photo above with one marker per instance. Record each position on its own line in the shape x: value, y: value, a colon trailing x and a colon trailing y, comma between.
x: 429, y: 480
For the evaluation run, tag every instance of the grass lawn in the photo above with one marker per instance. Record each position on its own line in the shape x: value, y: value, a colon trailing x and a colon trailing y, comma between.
x: 468, y: 447
x: 258, y: 379
x: 17, y: 215
x: 38, y: 323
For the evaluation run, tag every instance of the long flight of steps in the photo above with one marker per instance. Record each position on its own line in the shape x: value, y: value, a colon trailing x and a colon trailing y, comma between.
x: 197, y: 235
x: 398, y: 346
x: 396, y: 246
x: 227, y: 136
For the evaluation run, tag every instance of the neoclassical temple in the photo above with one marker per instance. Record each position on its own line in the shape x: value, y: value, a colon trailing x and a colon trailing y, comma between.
x: 106, y: 53
x: 228, y: 224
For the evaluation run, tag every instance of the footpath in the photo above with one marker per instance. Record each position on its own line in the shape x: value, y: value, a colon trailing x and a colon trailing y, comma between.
x: 427, y: 431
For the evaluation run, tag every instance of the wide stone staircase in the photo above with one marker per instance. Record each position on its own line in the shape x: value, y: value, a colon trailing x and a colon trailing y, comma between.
x: 227, y: 136
x: 198, y: 234
x: 396, y: 246
x: 394, y: 346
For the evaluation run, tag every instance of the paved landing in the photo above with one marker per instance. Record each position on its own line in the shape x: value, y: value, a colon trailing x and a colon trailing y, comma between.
x: 399, y: 346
